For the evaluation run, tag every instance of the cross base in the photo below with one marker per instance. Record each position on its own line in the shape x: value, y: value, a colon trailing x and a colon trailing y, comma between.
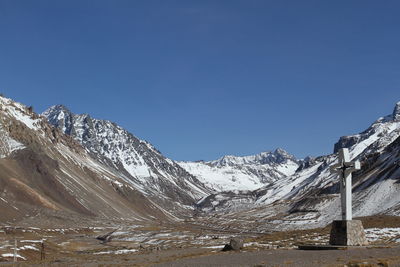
x: 348, y: 233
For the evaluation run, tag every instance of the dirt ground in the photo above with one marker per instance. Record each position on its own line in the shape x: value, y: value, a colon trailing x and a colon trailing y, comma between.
x: 190, y: 245
x: 362, y: 257
x: 298, y: 258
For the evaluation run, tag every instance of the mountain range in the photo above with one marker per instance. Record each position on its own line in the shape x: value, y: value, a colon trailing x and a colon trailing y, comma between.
x: 65, y: 167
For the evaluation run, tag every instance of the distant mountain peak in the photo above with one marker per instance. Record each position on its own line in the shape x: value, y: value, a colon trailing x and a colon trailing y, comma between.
x: 282, y: 152
x: 277, y: 156
x: 56, y: 109
x: 396, y: 112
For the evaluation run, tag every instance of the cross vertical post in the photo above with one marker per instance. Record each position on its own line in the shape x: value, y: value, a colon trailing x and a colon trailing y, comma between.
x: 346, y: 232
x: 347, y: 199
x: 345, y: 168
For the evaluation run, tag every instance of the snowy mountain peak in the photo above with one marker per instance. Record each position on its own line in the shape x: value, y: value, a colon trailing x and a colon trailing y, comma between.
x: 396, y: 112
x: 283, y: 155
x: 56, y: 111
x: 57, y: 108
x: 61, y: 117
x: 276, y: 157
x: 281, y: 151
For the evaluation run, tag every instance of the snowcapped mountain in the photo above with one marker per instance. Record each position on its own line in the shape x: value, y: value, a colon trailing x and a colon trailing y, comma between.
x: 139, y: 163
x: 310, y: 196
x: 244, y: 173
x: 47, y: 177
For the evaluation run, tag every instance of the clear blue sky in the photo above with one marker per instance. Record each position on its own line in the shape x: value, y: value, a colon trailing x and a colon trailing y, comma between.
x: 200, y: 79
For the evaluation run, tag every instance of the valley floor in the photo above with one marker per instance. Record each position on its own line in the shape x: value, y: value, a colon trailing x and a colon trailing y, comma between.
x: 192, y: 245
x: 389, y: 256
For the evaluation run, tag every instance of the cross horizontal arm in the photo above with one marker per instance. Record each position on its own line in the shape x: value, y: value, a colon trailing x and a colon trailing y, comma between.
x: 356, y: 166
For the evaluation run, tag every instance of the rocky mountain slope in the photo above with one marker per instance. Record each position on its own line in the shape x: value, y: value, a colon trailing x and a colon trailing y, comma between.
x: 244, y: 173
x: 137, y: 161
x: 47, y: 177
x: 310, y: 196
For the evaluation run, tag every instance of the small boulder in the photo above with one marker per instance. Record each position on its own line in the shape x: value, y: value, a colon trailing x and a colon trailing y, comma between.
x: 106, y: 237
x: 235, y: 244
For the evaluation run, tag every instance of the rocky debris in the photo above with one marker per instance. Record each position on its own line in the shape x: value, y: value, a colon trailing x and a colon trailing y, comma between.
x: 150, y: 248
x: 235, y: 244
x: 106, y: 237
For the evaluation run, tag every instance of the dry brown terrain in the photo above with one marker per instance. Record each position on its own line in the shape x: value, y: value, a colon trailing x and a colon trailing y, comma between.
x: 189, y: 245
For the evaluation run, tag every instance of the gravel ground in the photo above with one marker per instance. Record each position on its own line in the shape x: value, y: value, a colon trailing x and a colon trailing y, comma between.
x: 299, y: 258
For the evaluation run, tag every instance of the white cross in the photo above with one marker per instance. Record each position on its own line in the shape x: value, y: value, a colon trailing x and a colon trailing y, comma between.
x: 344, y: 168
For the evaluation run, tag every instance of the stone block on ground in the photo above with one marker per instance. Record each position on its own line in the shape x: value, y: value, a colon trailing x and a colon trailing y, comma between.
x: 348, y: 233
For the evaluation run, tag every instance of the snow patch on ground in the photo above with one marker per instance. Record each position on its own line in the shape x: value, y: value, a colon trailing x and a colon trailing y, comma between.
x: 8, y: 144
x: 27, y: 247
x: 117, y: 252
x: 375, y: 234
x: 216, y: 247
x: 11, y: 255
